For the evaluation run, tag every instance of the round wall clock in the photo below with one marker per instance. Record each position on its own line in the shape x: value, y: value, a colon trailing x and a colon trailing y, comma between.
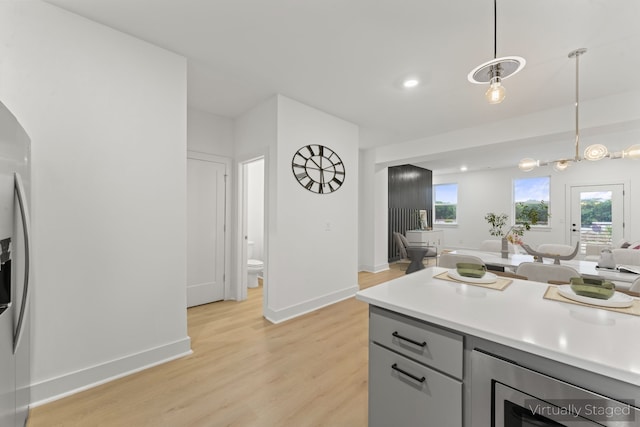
x: 318, y: 168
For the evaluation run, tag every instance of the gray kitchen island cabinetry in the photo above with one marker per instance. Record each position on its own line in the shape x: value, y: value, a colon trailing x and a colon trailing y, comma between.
x: 415, y: 372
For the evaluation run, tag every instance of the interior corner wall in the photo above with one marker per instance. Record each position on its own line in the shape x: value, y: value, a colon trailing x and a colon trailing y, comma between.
x: 381, y: 215
x: 209, y: 133
x: 313, y: 238
x: 365, y: 204
x: 255, y: 135
x: 372, y: 214
x: 106, y: 114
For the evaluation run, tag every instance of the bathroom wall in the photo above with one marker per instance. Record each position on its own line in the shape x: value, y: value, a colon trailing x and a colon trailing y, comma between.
x: 255, y: 207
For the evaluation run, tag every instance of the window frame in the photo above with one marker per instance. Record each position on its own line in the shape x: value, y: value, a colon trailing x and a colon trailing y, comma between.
x: 514, y: 202
x: 443, y: 223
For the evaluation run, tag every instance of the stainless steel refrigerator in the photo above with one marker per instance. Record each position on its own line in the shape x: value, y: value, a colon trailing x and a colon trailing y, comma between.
x: 15, y: 321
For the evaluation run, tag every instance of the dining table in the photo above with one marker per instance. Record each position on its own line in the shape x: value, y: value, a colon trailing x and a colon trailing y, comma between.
x: 583, y: 267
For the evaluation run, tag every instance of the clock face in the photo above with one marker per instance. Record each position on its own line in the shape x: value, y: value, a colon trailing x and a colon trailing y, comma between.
x: 318, y: 169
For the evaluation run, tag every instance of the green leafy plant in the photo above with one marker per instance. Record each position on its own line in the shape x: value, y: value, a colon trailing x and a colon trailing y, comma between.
x: 527, y: 215
x: 496, y: 222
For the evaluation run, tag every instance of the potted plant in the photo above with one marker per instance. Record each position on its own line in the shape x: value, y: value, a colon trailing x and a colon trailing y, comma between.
x: 528, y: 215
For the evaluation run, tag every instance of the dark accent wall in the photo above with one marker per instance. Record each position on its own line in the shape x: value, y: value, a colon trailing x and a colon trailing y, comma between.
x: 410, y: 190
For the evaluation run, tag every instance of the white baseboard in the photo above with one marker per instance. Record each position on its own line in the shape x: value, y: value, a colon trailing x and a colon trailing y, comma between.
x: 65, y: 385
x: 374, y: 269
x: 277, y: 316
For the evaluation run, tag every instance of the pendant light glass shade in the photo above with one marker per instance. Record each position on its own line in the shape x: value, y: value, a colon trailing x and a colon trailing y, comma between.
x: 561, y: 165
x: 497, y: 69
x: 595, y: 152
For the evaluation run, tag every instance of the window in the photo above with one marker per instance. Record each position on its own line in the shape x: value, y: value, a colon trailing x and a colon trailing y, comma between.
x: 445, y: 204
x: 531, y: 199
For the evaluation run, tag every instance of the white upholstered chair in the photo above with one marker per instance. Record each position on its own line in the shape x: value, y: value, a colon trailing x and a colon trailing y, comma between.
x: 449, y: 260
x: 540, y: 272
x: 592, y: 251
x: 555, y: 249
x: 635, y: 286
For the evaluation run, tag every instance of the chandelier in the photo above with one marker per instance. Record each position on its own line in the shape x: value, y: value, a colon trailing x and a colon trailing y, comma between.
x: 496, y: 70
x: 593, y: 152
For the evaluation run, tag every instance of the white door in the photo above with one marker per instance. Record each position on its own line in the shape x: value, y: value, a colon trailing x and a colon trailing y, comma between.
x: 597, y: 214
x: 205, y: 230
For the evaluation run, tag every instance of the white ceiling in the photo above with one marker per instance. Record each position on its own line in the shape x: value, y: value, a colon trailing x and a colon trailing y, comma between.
x: 348, y: 57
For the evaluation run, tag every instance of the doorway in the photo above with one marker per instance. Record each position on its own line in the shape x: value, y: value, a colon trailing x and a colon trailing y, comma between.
x: 596, y: 214
x: 206, y: 237
x: 253, y: 236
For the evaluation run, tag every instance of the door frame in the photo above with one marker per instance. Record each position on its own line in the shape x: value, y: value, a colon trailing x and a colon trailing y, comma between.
x: 626, y: 203
x: 197, y: 155
x: 241, y: 241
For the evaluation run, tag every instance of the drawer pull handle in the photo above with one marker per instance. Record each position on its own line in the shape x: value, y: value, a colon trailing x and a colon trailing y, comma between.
x: 402, y: 371
x: 419, y: 344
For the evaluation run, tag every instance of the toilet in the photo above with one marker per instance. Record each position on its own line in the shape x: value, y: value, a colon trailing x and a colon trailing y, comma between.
x: 254, y: 267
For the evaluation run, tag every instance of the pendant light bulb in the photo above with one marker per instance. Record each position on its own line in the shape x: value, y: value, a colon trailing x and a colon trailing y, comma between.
x: 527, y: 165
x: 496, y: 92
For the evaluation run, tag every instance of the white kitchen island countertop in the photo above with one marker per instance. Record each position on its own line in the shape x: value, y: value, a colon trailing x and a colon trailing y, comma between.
x: 594, y: 339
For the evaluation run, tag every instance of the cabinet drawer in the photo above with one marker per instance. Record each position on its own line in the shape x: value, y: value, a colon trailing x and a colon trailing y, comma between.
x: 427, y: 344
x: 421, y: 238
x: 405, y: 393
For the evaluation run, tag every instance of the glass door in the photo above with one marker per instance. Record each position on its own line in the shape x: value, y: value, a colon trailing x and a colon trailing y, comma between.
x: 596, y: 214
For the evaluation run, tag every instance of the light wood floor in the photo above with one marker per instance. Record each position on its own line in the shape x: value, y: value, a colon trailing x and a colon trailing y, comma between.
x: 245, y: 371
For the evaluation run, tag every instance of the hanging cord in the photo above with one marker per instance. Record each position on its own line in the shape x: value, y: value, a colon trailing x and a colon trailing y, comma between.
x: 495, y: 29
x: 577, y: 108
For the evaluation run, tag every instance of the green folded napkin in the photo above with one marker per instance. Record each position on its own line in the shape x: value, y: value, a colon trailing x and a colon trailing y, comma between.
x: 593, y: 288
x: 467, y: 269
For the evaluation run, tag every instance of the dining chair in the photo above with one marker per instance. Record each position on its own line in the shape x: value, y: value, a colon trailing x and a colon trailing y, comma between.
x: 449, y: 260
x: 539, y: 272
x: 401, y: 246
x: 555, y: 249
x: 509, y: 275
x: 403, y: 243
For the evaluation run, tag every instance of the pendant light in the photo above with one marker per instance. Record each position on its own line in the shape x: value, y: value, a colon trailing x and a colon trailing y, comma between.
x: 593, y: 152
x: 496, y: 70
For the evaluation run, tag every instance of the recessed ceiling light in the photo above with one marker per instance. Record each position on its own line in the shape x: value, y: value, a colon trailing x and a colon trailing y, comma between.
x: 409, y: 83
x: 463, y: 168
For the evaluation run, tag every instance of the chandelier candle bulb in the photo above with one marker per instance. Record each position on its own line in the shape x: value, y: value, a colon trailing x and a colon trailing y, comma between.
x: 632, y: 152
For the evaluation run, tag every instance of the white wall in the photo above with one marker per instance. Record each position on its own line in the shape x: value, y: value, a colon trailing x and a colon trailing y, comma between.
x: 107, y: 117
x: 313, y: 238
x: 372, y: 214
x: 208, y: 133
x: 255, y: 135
x: 611, y: 120
x: 491, y: 191
x: 620, y: 110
